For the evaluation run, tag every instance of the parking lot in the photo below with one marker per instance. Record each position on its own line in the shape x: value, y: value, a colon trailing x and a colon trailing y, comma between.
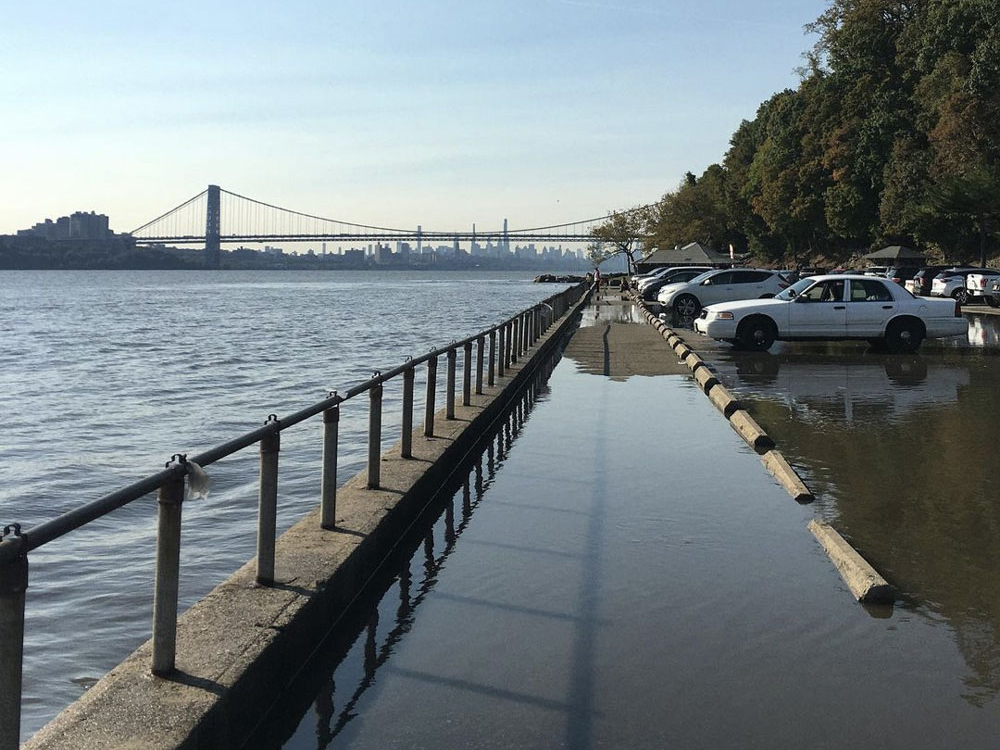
x: 899, y: 452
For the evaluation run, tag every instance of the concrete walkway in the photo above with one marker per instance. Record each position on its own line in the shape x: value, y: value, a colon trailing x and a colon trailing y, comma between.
x: 609, y: 342
x: 631, y: 576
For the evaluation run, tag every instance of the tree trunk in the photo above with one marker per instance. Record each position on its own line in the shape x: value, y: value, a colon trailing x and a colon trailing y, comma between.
x: 982, y: 241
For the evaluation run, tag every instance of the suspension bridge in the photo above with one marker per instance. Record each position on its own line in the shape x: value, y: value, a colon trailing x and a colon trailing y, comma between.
x: 216, y: 216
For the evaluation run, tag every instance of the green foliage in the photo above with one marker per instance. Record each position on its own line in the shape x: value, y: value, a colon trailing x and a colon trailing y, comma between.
x: 621, y: 233
x: 893, y: 135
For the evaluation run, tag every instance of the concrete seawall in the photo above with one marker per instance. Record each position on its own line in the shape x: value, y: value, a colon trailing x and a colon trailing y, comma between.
x: 240, y: 645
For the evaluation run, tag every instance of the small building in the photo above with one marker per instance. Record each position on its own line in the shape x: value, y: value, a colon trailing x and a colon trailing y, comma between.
x: 692, y: 254
x: 896, y: 255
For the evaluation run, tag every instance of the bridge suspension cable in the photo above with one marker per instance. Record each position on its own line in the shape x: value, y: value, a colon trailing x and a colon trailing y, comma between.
x: 244, y: 219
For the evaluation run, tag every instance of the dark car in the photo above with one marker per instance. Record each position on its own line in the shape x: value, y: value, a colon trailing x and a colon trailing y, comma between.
x: 923, y: 278
x: 683, y: 273
x: 901, y: 274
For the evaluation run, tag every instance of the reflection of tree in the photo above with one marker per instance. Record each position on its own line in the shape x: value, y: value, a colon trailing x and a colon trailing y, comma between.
x: 916, y: 495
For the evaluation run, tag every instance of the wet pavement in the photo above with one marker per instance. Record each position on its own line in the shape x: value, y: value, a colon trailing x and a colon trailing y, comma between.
x: 617, y: 569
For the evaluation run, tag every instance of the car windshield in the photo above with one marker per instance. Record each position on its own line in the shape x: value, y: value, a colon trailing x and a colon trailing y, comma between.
x: 796, y: 289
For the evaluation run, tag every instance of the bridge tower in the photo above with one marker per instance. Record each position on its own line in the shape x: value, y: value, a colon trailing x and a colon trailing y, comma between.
x: 213, y: 227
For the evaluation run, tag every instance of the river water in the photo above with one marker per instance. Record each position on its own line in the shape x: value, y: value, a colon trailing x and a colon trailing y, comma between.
x: 104, y: 375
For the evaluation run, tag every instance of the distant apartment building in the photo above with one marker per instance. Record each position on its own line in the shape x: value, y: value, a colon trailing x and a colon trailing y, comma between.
x: 77, y: 226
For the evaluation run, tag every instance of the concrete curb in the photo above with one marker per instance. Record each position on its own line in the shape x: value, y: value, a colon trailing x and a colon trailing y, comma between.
x: 864, y: 581
x: 750, y: 431
x: 786, y: 476
x: 861, y: 578
x: 705, y: 378
x: 724, y: 401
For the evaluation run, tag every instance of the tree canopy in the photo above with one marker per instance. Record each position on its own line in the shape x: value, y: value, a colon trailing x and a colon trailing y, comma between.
x: 891, y: 137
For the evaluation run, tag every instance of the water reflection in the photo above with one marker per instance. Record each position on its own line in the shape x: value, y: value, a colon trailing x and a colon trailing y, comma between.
x: 900, y: 452
x: 346, y: 666
x: 850, y: 387
x: 984, y: 331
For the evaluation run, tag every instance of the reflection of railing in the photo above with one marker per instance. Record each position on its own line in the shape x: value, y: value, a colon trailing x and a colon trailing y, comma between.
x: 509, y: 340
x: 377, y: 650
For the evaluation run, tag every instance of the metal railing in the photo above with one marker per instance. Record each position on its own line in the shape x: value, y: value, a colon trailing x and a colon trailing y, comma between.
x: 508, y: 341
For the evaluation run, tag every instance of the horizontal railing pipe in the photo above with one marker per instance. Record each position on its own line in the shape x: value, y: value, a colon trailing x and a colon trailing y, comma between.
x: 508, y: 339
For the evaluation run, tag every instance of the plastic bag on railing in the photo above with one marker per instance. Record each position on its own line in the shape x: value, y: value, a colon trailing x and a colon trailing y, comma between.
x: 199, y: 483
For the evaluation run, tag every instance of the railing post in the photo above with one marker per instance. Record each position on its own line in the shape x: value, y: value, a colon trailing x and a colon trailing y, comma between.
x: 450, y: 385
x: 13, y: 585
x: 328, y: 491
x: 480, y: 354
x: 491, y: 370
x: 170, y: 501
x: 501, y: 350
x: 407, y: 449
x: 515, y: 339
x: 467, y: 375
x: 267, y: 504
x: 432, y: 366
x: 375, y: 436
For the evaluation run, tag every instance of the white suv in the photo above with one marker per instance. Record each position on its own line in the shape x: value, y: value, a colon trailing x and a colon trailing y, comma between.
x: 687, y: 298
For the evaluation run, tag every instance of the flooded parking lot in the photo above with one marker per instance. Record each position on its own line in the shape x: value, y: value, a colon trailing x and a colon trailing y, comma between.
x: 616, y: 569
x: 899, y: 451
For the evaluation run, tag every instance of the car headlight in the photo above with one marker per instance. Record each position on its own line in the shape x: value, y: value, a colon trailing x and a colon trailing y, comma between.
x: 724, y: 316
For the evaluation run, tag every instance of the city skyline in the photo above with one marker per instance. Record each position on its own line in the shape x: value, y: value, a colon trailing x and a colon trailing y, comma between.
x: 442, y: 115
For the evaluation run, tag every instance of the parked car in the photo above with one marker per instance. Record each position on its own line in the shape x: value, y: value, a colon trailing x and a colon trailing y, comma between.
x: 655, y: 273
x: 660, y: 274
x: 920, y: 284
x: 951, y: 283
x: 979, y: 284
x: 834, y: 307
x: 875, y: 270
x: 652, y: 287
x: 901, y: 274
x: 687, y: 298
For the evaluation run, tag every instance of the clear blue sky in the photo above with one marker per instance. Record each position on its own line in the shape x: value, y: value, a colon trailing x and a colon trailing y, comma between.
x: 396, y: 113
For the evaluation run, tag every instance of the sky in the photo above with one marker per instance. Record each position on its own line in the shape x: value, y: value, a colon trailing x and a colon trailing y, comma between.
x: 392, y: 113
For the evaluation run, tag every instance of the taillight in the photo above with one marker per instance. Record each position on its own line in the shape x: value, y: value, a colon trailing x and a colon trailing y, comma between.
x: 782, y: 285
x: 897, y: 279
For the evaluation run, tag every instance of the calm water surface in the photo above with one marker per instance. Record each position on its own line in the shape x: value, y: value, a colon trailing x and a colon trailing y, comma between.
x: 618, y: 570
x: 104, y: 375
x: 900, y: 450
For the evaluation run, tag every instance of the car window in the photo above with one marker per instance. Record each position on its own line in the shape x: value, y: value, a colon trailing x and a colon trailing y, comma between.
x: 825, y: 291
x: 723, y: 278
x: 750, y: 277
x: 869, y: 291
x: 701, y: 277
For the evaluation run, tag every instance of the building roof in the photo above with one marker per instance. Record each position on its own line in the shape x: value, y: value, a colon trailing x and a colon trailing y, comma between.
x: 895, y: 252
x: 692, y: 254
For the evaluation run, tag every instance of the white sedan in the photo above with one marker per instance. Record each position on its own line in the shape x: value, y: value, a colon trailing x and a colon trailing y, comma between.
x: 839, y: 306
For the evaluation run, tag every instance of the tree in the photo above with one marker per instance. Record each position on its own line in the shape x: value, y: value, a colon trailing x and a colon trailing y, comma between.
x: 624, y: 231
x: 597, y: 253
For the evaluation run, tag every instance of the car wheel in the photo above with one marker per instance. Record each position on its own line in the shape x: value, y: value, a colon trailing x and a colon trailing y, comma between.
x: 961, y: 295
x: 757, y: 333
x: 904, y: 335
x: 992, y: 301
x: 687, y: 306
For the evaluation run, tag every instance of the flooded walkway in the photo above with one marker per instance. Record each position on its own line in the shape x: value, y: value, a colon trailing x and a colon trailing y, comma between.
x: 619, y: 570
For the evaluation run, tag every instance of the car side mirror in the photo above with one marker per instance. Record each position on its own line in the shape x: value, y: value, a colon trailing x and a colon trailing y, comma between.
x: 706, y: 282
